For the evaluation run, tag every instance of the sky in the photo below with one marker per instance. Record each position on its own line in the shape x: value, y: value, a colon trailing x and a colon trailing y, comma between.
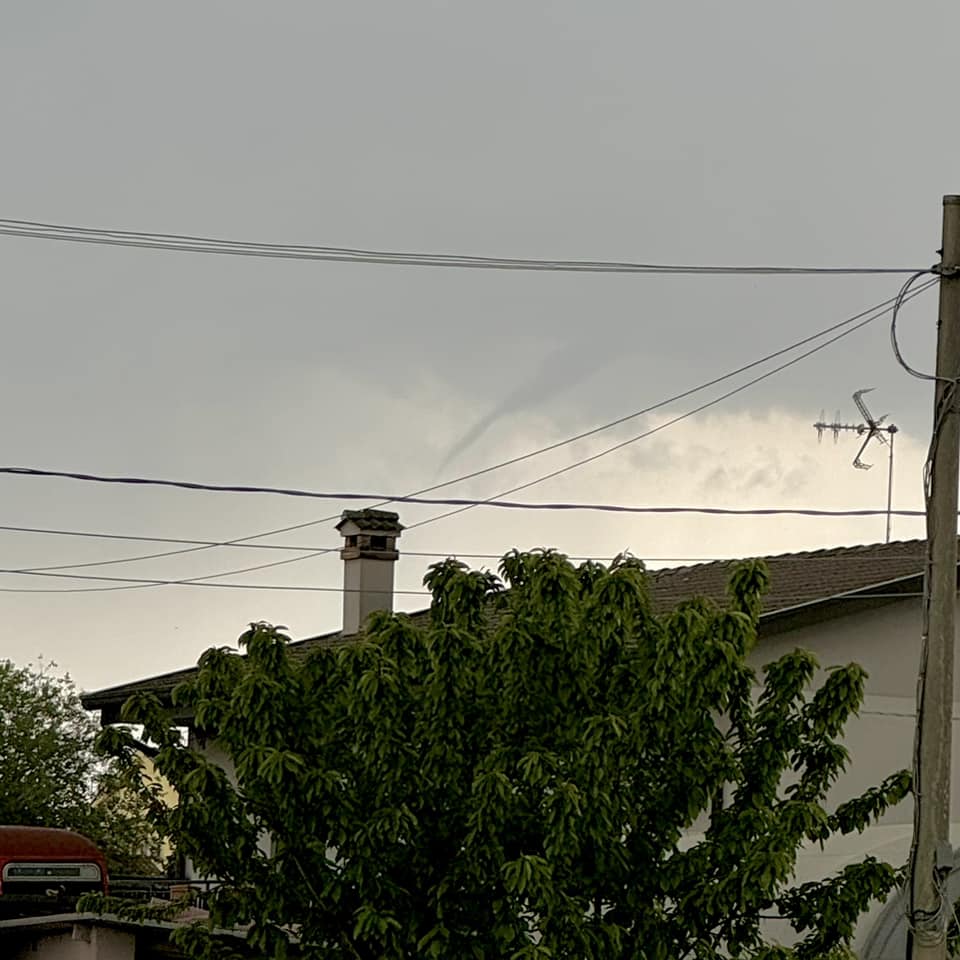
x: 740, y: 133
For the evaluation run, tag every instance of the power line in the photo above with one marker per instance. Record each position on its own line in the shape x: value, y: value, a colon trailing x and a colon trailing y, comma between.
x: 128, y: 582
x: 877, y: 313
x: 652, y: 408
x: 197, y: 244
x: 872, y: 314
x: 134, y: 583
x: 295, y: 548
x: 149, y: 582
x: 458, y: 501
x: 893, y: 328
x: 893, y: 301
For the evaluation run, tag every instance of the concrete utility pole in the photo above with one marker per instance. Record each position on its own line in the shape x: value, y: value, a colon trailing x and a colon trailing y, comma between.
x: 931, y: 857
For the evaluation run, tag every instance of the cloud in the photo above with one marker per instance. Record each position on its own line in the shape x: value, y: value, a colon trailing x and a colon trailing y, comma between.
x: 727, y: 459
x: 561, y: 371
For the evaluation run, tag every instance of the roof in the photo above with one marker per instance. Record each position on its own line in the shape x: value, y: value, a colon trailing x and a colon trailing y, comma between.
x: 110, y: 699
x: 798, y: 582
x: 45, y: 843
x: 797, y: 578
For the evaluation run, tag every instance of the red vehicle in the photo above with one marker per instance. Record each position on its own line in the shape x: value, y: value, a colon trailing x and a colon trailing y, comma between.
x: 41, y: 867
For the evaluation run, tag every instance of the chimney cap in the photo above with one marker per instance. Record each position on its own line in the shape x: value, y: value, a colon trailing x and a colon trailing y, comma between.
x: 371, y: 520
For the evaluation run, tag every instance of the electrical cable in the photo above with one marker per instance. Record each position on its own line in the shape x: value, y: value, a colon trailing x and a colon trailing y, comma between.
x: 99, y: 535
x: 689, y: 413
x: 131, y: 582
x: 194, y: 582
x: 600, y: 507
x: 893, y: 329
x: 466, y: 501
x: 197, y: 244
x: 548, y: 448
x: 146, y: 582
x: 294, y: 548
x: 877, y: 312
x: 780, y: 352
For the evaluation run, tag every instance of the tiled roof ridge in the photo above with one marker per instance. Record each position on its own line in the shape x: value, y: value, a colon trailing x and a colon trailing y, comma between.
x: 820, y: 553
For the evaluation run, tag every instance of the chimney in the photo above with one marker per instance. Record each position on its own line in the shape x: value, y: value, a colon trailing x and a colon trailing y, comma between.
x: 369, y: 554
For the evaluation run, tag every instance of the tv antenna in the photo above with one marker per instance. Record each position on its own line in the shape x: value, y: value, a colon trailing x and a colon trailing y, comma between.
x: 872, y: 428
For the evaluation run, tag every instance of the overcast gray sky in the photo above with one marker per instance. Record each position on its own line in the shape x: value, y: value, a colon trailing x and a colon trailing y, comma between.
x: 743, y: 132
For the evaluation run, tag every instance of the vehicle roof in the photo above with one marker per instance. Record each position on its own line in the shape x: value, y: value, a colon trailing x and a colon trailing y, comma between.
x: 46, y: 843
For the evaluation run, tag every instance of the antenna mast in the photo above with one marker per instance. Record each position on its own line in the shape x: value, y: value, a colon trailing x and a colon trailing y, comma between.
x: 873, y: 428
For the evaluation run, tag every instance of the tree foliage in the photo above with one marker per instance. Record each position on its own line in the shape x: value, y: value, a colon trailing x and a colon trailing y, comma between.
x: 548, y: 771
x: 51, y: 775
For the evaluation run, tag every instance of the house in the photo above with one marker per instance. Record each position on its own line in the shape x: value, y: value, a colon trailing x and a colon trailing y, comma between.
x: 844, y: 604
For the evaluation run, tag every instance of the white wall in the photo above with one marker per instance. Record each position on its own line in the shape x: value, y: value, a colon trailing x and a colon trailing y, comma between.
x: 886, y: 642
x: 214, y: 752
x: 79, y: 942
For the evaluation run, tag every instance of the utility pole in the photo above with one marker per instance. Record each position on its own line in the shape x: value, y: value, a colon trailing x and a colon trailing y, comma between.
x: 931, y: 856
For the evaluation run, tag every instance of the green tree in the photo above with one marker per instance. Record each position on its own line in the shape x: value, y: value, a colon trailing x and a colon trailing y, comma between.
x: 518, y: 778
x: 51, y: 774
